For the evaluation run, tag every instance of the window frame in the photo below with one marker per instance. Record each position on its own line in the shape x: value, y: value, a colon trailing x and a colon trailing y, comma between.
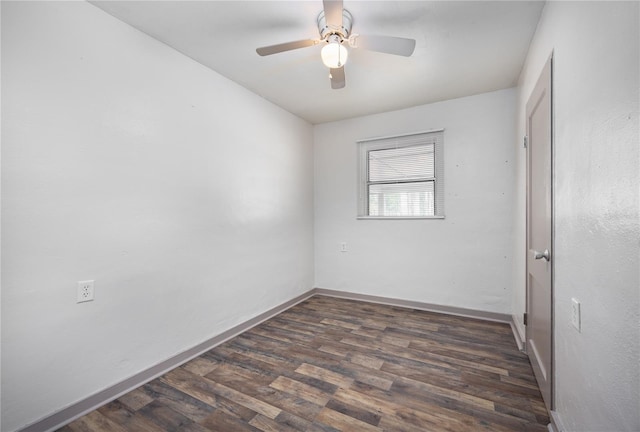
x: 435, y: 137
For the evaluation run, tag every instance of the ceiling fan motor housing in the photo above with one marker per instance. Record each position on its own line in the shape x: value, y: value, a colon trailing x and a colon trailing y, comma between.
x: 343, y: 31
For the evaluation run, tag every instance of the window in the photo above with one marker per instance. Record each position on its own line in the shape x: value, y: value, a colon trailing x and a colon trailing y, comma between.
x: 402, y: 177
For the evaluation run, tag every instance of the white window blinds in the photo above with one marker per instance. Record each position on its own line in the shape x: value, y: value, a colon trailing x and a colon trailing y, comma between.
x: 401, y: 177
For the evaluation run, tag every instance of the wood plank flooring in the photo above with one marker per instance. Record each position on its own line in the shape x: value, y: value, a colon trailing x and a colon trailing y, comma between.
x: 332, y: 364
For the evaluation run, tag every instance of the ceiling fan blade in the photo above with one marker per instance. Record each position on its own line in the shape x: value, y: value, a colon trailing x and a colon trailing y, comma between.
x: 287, y: 46
x: 333, y: 13
x: 337, y: 78
x: 386, y: 44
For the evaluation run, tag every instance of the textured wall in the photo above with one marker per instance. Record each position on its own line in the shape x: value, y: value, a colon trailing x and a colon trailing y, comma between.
x: 186, y: 198
x: 596, y: 81
x: 463, y: 260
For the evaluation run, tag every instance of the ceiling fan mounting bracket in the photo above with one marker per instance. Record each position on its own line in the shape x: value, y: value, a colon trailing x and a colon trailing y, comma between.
x: 343, y: 32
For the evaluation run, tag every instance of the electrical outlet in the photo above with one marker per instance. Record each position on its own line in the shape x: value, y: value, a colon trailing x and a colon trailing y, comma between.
x: 85, y: 291
x: 575, y: 313
x: 343, y: 247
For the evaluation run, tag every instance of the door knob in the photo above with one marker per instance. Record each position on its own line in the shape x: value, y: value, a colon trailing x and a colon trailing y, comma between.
x: 540, y: 255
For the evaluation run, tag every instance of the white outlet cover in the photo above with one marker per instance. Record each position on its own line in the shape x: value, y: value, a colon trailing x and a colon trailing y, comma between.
x: 85, y: 291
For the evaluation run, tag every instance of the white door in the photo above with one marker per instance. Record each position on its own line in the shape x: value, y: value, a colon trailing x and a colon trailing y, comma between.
x: 539, y: 243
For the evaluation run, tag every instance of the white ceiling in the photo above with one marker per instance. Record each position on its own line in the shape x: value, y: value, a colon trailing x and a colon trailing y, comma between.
x: 462, y: 48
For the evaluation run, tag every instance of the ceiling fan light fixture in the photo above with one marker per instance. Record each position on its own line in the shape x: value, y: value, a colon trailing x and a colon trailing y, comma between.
x: 334, y: 55
x: 334, y: 27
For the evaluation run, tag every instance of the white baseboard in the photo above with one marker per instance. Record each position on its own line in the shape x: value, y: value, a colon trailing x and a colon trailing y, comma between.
x: 449, y: 310
x: 556, y: 423
x: 78, y: 409
x: 518, y: 334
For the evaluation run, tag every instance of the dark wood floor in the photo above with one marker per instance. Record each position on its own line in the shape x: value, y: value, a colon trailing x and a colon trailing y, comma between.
x: 331, y: 364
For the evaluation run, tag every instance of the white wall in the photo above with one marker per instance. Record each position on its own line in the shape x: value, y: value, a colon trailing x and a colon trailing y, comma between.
x: 596, y: 102
x: 463, y: 260
x: 186, y: 197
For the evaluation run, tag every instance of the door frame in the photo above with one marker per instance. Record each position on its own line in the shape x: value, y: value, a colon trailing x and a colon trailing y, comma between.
x: 552, y: 183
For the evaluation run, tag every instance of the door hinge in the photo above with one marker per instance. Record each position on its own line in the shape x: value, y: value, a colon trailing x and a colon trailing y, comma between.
x: 524, y: 319
x: 525, y: 141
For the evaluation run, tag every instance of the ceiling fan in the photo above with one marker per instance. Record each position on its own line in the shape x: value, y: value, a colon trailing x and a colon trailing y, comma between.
x: 334, y: 26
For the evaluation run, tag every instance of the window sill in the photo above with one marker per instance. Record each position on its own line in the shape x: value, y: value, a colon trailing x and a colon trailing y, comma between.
x: 398, y: 217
